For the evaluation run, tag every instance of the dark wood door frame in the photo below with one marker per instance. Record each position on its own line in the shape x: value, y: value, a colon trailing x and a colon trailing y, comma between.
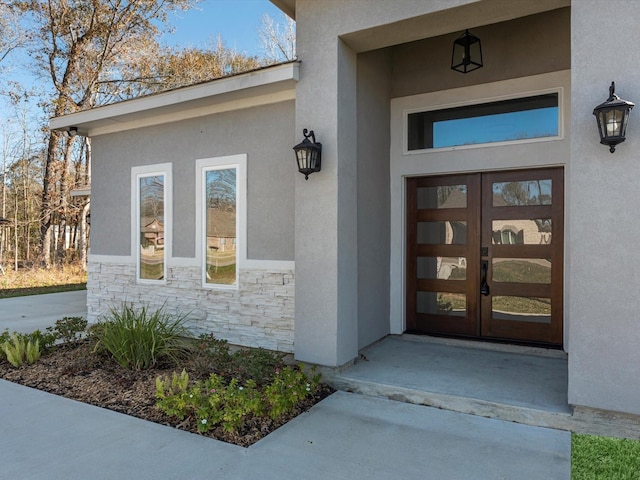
x: 478, y: 214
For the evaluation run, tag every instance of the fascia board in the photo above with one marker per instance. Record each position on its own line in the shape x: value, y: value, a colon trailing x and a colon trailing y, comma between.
x: 218, y: 95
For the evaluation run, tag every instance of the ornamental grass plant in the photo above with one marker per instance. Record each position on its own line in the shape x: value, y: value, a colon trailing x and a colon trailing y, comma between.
x: 139, y: 339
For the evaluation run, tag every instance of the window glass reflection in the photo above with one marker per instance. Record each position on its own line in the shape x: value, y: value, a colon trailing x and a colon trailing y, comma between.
x: 501, y: 121
x: 522, y: 270
x: 442, y: 268
x: 522, y: 309
x: 442, y: 233
x: 151, y: 204
x: 221, y: 226
x: 441, y: 303
x: 444, y: 196
x: 536, y: 231
x: 517, y: 194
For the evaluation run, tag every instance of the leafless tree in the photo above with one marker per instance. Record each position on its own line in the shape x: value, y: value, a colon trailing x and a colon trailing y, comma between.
x: 278, y: 38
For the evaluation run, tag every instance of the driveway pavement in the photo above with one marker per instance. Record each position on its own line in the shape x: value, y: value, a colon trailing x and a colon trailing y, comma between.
x: 26, y: 314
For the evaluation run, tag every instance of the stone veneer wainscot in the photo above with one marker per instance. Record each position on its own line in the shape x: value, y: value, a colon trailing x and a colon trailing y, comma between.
x: 260, y: 313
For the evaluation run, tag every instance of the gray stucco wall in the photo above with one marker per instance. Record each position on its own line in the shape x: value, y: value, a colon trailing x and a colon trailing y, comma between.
x: 374, y: 81
x: 517, y: 48
x: 603, y: 228
x: 265, y: 134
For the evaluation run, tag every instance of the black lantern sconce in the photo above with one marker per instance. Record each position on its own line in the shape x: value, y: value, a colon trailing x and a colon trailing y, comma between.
x: 308, y: 154
x: 467, y: 53
x: 613, y: 117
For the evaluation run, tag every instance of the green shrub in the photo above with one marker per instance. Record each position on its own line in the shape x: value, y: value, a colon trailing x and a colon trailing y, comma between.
x: 20, y: 348
x: 215, y: 401
x: 210, y: 354
x: 68, y: 329
x: 140, y: 339
x: 214, y: 355
x: 256, y: 364
x: 46, y: 340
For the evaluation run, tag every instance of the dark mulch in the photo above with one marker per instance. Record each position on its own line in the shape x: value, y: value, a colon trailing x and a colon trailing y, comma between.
x: 77, y: 372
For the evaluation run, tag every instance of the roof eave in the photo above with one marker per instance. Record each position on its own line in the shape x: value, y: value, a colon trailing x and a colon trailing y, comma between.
x: 267, y: 85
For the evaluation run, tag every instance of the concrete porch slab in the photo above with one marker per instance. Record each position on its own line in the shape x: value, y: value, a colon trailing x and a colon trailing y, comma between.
x: 517, y: 384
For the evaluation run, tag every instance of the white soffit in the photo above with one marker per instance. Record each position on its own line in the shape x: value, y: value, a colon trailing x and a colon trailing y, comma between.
x: 259, y: 87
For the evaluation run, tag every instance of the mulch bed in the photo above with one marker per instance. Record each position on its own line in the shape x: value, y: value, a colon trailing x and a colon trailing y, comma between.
x: 75, y: 371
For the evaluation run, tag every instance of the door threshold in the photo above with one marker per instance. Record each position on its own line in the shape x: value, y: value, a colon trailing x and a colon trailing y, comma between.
x: 549, y: 352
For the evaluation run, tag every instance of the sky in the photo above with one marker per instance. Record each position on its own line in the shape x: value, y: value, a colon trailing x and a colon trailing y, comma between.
x: 237, y: 21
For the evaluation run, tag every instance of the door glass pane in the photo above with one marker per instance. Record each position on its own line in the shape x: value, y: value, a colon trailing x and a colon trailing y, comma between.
x: 221, y: 226
x: 522, y: 270
x: 441, y: 303
x: 444, y: 196
x: 442, y: 268
x: 517, y: 194
x: 151, y: 200
x: 442, y: 233
x: 522, y: 309
x: 521, y: 232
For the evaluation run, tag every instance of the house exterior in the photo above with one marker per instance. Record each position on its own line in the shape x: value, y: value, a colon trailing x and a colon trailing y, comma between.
x: 536, y: 245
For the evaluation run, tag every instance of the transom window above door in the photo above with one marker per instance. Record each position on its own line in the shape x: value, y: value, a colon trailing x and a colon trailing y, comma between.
x: 503, y: 121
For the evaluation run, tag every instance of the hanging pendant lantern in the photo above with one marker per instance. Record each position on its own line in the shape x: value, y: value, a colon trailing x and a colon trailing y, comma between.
x: 467, y: 53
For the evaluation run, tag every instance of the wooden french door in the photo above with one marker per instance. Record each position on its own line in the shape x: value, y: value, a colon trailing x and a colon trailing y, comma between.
x: 485, y: 255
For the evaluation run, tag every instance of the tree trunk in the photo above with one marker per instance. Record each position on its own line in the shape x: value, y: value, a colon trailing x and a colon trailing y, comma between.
x: 46, y: 209
x: 63, y: 209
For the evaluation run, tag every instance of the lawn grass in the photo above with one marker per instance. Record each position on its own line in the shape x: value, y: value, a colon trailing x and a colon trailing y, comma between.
x: 35, y: 281
x: 603, y: 458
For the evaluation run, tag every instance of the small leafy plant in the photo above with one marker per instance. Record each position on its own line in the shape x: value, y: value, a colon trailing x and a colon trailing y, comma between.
x: 139, y: 339
x: 287, y: 389
x: 20, y: 349
x: 214, y: 401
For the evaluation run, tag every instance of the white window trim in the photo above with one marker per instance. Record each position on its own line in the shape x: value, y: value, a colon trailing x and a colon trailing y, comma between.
x: 239, y: 162
x: 137, y: 173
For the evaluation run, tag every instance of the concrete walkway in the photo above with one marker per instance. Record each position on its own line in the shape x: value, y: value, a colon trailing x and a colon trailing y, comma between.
x: 346, y: 436
x: 33, y: 312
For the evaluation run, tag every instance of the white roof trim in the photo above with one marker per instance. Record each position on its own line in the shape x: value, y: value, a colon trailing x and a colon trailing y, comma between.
x: 268, y: 85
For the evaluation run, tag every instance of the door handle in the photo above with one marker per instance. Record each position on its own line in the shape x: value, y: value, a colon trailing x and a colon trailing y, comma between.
x: 484, y: 286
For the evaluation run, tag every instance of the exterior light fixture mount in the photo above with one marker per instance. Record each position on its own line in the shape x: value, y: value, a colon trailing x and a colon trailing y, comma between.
x: 613, y: 117
x: 72, y: 132
x: 467, y: 53
x: 308, y: 154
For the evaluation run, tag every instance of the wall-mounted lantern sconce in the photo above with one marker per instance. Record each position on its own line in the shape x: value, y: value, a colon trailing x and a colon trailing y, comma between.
x: 467, y: 53
x: 613, y: 117
x: 308, y: 154
x: 72, y: 132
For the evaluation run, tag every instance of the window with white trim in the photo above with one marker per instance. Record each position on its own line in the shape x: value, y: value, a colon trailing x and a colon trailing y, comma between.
x: 221, y: 231
x: 151, y: 221
x: 503, y: 121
